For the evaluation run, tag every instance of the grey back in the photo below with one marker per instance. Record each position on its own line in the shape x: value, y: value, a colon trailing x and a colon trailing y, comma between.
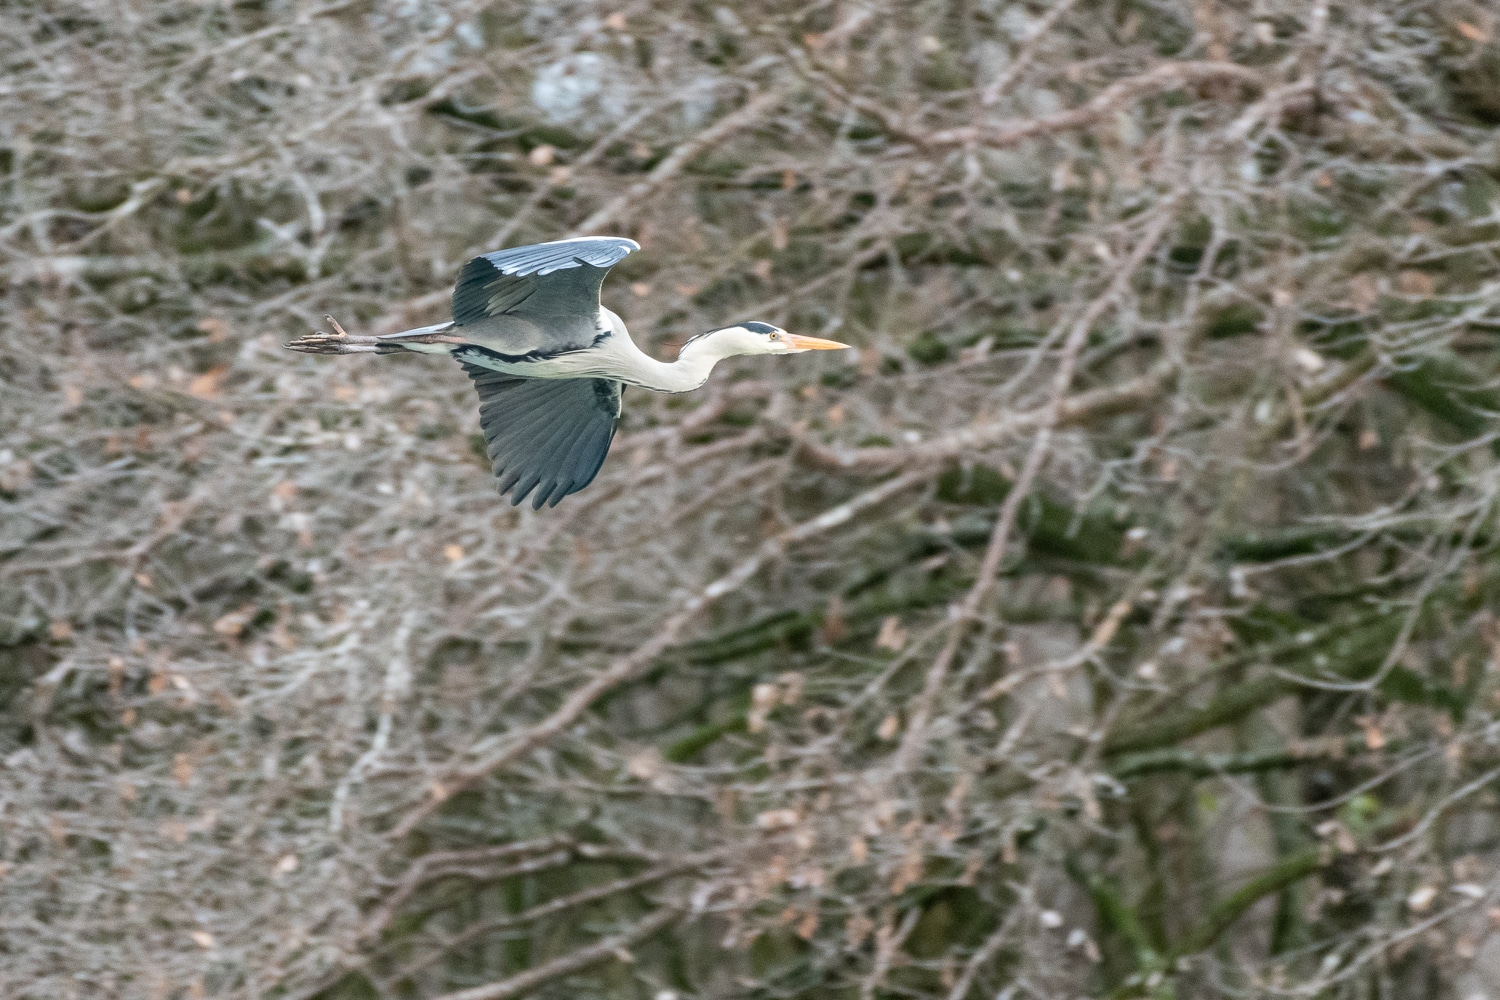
x: 541, y: 299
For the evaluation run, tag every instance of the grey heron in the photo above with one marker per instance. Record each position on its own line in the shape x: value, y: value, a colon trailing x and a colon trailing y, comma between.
x: 551, y: 363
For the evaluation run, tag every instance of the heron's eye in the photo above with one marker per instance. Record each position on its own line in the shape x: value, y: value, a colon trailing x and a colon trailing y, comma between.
x: 774, y: 336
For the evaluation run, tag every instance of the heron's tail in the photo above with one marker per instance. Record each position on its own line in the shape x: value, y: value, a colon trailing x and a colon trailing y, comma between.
x: 424, y: 340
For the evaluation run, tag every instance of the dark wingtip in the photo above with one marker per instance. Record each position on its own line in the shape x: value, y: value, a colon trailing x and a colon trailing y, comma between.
x: 559, y: 490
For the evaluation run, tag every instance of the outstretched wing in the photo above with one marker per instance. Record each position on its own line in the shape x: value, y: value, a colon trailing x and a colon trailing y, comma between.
x: 550, y: 435
x: 542, y: 297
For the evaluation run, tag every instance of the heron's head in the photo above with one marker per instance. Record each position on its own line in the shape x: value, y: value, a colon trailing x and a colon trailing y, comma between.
x: 757, y: 338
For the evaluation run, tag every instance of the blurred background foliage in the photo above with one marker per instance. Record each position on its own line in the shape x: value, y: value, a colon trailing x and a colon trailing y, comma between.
x: 1118, y: 623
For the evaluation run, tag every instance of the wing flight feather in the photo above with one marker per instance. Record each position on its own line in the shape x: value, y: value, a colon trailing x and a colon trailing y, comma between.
x: 558, y: 280
x: 545, y: 435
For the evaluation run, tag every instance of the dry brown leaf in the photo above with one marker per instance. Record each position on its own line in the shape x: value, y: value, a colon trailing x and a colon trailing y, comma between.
x: 232, y: 624
x: 17, y: 474
x: 780, y: 234
x: 1364, y: 292
x: 909, y: 872
x: 777, y: 819
x: 281, y: 634
x: 791, y: 683
x: 206, y: 386
x: 1472, y: 32
x: 835, y: 623
x: 1418, y: 283
x: 645, y: 764
x: 891, y: 636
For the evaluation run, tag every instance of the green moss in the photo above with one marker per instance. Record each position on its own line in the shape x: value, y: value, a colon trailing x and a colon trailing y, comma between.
x: 1236, y: 320
x: 436, y: 431
x: 942, y: 71
x: 1448, y: 389
x: 927, y: 349
x: 353, y: 986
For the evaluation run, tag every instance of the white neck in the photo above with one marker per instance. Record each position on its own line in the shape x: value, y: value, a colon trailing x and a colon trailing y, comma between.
x: 619, y: 358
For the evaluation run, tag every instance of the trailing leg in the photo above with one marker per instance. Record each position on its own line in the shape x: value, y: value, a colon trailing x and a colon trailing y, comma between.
x: 339, y: 342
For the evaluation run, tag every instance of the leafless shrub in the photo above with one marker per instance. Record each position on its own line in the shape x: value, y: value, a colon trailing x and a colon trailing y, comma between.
x: 1119, y: 623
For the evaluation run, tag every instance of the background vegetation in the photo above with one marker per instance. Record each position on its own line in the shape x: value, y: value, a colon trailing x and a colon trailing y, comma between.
x: 1118, y: 623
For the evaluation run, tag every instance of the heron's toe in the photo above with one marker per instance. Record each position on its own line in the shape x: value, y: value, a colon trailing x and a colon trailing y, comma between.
x: 319, y: 343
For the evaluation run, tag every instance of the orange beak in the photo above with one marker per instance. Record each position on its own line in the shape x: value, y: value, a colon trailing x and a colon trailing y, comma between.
x: 814, y: 344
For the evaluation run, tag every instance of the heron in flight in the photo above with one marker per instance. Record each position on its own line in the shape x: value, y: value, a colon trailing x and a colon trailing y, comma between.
x: 551, y: 363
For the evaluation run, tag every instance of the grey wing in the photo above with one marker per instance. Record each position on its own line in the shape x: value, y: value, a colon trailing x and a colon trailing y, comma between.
x: 544, y: 297
x: 550, y: 435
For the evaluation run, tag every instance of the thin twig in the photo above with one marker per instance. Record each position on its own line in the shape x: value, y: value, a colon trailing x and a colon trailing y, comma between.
x: 994, y: 554
x: 746, y: 117
x: 997, y: 87
x: 633, y: 664
x: 605, y: 950
x: 1168, y: 76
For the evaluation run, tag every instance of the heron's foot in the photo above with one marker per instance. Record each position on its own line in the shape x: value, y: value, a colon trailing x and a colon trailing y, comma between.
x: 337, y: 342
